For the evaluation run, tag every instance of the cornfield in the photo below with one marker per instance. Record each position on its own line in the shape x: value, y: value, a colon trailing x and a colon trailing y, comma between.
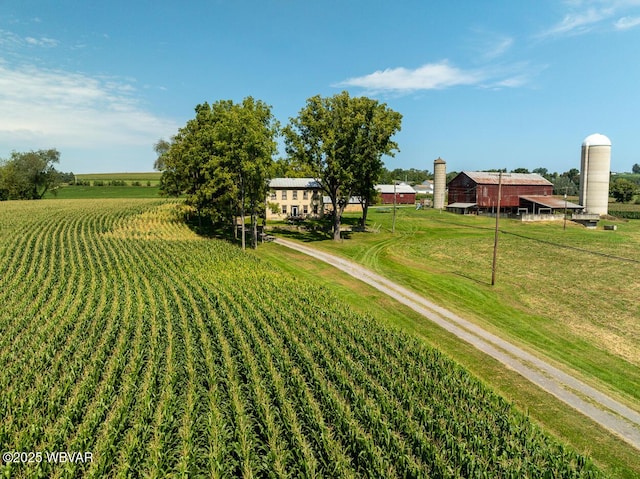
x: 166, y: 355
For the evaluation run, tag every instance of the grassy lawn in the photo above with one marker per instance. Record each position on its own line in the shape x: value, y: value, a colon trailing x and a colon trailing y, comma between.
x: 568, y: 295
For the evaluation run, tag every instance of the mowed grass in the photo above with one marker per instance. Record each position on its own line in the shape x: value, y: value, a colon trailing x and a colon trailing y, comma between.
x: 568, y: 295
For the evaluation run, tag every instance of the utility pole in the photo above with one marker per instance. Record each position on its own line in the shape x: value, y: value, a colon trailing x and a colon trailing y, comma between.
x: 564, y: 227
x: 495, y: 242
x: 393, y: 222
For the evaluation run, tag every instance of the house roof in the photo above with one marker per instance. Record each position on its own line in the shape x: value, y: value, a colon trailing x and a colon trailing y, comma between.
x: 555, y: 202
x: 300, y: 183
x: 490, y: 178
x: 389, y: 189
x: 354, y: 200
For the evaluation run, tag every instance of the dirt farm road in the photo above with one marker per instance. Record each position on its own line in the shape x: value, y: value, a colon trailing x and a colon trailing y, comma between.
x: 609, y: 413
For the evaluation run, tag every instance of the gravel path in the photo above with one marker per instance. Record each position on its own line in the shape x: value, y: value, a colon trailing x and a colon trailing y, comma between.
x: 609, y: 413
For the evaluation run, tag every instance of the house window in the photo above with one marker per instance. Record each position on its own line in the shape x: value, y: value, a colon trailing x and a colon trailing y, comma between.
x: 305, y: 209
x: 305, y: 195
x: 284, y: 209
x: 294, y: 194
x: 273, y: 195
x: 284, y: 194
x: 315, y: 209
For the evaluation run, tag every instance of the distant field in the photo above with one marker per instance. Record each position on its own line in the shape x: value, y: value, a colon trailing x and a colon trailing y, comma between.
x: 624, y: 206
x: 153, y: 176
x: 164, y: 354
x: 88, y: 192
x: 129, y: 185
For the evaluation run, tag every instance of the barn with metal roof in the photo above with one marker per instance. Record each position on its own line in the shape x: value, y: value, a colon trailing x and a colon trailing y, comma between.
x: 520, y: 192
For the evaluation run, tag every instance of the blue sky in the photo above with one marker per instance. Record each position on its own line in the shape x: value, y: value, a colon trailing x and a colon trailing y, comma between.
x: 482, y: 84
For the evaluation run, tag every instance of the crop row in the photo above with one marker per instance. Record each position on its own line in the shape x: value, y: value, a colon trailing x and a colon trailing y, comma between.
x: 163, y: 355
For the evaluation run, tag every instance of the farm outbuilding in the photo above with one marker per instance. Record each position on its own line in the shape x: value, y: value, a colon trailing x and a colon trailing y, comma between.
x: 520, y: 192
x: 405, y: 194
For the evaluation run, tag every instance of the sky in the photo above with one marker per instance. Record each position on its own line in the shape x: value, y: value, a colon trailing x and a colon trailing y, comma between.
x: 481, y: 84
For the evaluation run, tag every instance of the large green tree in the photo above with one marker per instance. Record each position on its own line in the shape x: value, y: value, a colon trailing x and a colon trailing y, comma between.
x: 623, y: 190
x: 183, y: 162
x: 375, y: 124
x: 244, y: 138
x: 161, y: 147
x: 29, y: 175
x: 412, y: 176
x: 562, y: 184
x: 222, y: 160
x: 342, y: 139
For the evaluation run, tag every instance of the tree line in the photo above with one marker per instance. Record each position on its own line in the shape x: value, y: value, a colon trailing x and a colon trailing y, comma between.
x: 29, y: 175
x: 622, y: 187
x: 222, y: 160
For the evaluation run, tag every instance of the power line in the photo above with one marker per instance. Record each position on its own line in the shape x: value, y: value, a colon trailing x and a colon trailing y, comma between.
x: 551, y: 243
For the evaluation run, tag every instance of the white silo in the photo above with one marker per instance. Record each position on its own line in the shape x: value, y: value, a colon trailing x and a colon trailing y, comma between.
x: 439, y: 182
x: 595, y: 168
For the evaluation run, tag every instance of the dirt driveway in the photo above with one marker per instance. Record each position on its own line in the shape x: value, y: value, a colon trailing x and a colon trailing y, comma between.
x: 609, y: 413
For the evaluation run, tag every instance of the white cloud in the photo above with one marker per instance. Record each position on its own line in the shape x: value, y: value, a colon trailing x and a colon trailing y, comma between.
x: 9, y: 39
x: 427, y: 77
x: 14, y: 41
x: 586, y: 15
x: 54, y: 108
x: 626, y: 23
x: 499, y: 48
x: 576, y: 23
x: 41, y: 42
x: 437, y: 76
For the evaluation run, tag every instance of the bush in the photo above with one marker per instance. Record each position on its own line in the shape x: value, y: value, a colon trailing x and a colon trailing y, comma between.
x: 629, y: 215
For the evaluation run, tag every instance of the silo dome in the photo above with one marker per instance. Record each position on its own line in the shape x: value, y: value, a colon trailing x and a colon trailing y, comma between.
x: 596, y: 140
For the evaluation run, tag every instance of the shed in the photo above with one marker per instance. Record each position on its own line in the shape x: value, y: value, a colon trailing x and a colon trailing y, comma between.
x: 538, y: 204
x: 405, y: 194
x: 462, y: 208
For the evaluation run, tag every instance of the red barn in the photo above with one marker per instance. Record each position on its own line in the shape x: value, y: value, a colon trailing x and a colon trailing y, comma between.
x: 479, y: 189
x: 405, y: 194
